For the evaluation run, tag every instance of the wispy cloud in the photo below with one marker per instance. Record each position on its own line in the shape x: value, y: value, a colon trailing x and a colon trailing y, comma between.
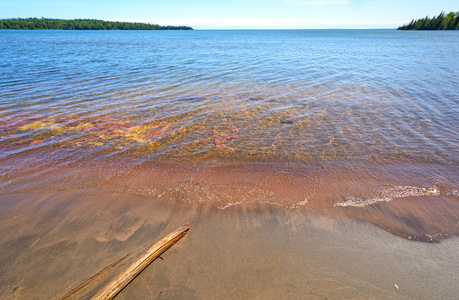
x: 270, y: 23
x: 316, y: 2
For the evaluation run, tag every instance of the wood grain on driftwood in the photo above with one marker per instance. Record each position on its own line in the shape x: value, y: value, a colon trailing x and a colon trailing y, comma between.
x: 113, y: 288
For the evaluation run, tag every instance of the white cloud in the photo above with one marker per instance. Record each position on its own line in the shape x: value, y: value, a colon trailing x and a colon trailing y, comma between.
x: 271, y: 23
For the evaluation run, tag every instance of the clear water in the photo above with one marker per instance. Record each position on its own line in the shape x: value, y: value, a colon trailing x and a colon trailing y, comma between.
x: 110, y: 101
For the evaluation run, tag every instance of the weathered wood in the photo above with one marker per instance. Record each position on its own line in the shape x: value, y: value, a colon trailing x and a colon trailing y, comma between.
x: 112, y: 289
x: 91, y: 283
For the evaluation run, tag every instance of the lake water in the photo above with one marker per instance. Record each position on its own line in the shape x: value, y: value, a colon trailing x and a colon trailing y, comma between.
x: 275, y: 146
x: 191, y: 111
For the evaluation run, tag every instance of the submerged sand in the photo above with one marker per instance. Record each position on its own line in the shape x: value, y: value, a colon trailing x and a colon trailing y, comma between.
x: 52, y: 242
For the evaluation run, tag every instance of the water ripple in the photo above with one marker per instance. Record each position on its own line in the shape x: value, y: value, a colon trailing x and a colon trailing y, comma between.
x: 244, y: 95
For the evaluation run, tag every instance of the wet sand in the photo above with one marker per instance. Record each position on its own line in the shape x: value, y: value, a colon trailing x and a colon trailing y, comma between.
x: 414, y: 201
x: 52, y: 242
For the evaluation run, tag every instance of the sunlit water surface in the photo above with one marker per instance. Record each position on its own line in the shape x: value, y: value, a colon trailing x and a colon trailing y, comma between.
x: 80, y: 108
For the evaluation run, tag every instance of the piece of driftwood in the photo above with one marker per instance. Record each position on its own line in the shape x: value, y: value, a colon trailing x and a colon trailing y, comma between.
x: 91, y: 283
x: 113, y: 288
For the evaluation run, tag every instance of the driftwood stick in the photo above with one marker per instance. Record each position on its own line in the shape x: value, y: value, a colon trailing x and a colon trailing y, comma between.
x: 91, y: 283
x: 113, y: 288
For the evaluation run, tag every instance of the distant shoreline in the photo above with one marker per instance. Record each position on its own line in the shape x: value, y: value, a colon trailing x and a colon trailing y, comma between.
x: 79, y: 24
x: 443, y: 21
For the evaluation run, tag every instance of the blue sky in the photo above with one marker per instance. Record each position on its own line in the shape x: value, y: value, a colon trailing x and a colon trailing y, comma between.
x: 237, y: 14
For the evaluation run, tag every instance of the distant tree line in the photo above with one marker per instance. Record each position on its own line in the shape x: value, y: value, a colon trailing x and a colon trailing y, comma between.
x: 441, y: 22
x: 80, y: 24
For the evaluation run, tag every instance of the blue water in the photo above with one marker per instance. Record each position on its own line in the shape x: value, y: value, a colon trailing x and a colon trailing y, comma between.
x: 284, y: 95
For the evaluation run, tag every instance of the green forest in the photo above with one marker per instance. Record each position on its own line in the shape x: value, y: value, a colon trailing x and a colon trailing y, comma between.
x: 441, y: 22
x: 80, y: 24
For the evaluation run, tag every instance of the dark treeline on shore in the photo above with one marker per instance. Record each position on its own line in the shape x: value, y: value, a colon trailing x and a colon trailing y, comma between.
x: 441, y: 22
x: 80, y: 24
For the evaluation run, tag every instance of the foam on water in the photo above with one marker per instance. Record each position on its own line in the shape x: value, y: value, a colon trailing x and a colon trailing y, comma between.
x: 390, y: 194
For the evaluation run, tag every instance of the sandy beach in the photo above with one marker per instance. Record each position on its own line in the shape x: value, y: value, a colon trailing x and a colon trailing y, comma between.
x: 51, y: 243
x: 310, y: 164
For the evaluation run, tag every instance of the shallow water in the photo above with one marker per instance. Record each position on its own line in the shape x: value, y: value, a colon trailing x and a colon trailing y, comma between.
x: 80, y: 109
x: 303, y: 95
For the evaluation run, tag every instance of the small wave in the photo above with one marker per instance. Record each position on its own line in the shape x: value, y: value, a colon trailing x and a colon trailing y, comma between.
x: 221, y: 197
x: 390, y: 194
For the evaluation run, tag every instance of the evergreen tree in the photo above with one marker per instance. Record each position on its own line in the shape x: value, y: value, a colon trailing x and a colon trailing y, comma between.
x: 80, y: 24
x: 440, y: 22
